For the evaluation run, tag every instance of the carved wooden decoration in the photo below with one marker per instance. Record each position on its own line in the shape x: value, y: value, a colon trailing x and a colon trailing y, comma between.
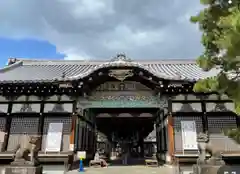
x: 122, y: 86
x: 121, y: 57
x: 120, y: 74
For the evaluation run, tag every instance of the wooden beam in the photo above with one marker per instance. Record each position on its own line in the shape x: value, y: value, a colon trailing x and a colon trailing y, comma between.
x: 204, y: 117
x: 41, y: 123
x: 7, y: 127
x: 73, y: 131
x: 238, y: 120
x: 170, y: 129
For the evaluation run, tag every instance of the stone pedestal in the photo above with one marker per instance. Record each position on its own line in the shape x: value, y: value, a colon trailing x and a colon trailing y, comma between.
x: 23, y: 170
x: 206, y: 169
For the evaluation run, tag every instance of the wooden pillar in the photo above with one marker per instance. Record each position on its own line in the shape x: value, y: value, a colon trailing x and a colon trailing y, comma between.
x: 170, y: 129
x: 158, y: 138
x: 73, y: 132
x: 238, y: 120
x: 170, y: 133
x: 7, y: 127
x: 204, y: 117
x: 87, y: 130
x: 162, y: 134
x: 41, y: 122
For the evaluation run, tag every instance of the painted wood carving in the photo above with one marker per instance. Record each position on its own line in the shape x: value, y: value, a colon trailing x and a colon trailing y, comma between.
x: 124, y: 95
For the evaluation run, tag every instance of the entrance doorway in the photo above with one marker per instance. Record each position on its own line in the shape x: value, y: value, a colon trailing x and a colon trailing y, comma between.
x: 126, y: 133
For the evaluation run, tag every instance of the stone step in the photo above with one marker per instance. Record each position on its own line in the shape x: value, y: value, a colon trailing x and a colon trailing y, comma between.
x: 128, y: 170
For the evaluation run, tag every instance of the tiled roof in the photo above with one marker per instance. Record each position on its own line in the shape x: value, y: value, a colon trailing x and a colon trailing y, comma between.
x: 50, y: 70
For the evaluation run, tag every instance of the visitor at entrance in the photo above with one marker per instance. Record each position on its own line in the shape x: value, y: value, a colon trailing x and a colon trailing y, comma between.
x: 125, y: 153
x: 98, y: 159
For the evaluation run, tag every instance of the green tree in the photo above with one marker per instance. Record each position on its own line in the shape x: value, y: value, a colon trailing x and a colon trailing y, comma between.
x: 219, y: 22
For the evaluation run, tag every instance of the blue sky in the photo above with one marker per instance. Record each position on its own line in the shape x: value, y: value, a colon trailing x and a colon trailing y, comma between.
x: 90, y: 29
x: 26, y: 48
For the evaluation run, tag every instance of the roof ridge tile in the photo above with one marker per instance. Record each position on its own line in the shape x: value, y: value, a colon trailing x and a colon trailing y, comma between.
x: 98, y: 62
x: 10, y: 67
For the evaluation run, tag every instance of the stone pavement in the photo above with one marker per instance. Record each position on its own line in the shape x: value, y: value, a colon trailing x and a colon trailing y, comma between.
x: 129, y: 170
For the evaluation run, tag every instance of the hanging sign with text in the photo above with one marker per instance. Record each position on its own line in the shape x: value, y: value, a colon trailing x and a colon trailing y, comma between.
x: 54, y: 137
x: 189, y: 135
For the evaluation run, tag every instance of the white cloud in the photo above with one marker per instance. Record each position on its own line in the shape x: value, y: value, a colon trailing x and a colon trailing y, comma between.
x: 85, y: 29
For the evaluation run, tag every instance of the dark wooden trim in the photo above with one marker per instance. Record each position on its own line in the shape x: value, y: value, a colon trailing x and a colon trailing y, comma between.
x: 199, y: 101
x: 158, y: 130
x: 170, y: 129
x: 204, y: 117
x: 158, y: 137
x: 7, y: 127
x: 165, y: 139
x: 59, y: 114
x: 175, y: 114
x: 76, y: 134
x: 73, y: 130
x: 238, y: 121
x: 228, y: 113
x: 41, y: 123
x: 30, y: 114
x: 170, y: 104
x: 186, y: 101
x: 187, y: 114
x: 72, y: 101
x: 36, y: 102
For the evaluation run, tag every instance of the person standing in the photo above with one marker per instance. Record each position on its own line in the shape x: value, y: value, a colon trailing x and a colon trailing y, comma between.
x: 125, y: 153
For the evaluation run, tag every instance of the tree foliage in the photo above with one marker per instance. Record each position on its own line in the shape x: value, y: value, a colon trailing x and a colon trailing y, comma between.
x: 219, y: 22
x: 234, y: 134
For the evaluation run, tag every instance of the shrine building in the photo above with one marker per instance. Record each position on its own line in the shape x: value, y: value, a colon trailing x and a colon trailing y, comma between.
x: 92, y: 105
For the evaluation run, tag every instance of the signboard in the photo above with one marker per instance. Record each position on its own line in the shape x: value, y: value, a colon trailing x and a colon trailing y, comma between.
x: 2, y: 136
x: 81, y: 154
x: 71, y: 147
x: 189, y: 135
x: 54, y: 137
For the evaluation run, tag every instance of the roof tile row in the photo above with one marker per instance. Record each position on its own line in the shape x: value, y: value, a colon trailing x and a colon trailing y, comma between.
x: 45, y: 70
